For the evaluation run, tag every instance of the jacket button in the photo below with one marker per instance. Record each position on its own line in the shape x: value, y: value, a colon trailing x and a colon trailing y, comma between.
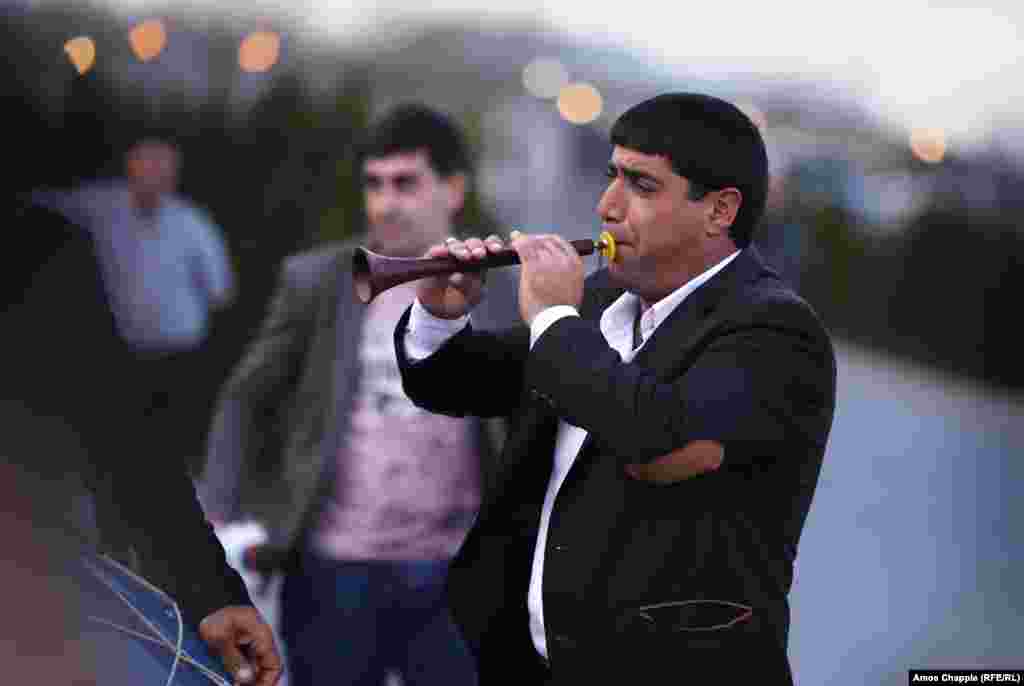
x: 559, y: 548
x: 563, y: 641
x: 537, y: 395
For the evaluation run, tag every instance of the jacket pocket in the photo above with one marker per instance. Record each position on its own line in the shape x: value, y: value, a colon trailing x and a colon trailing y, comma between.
x: 696, y: 617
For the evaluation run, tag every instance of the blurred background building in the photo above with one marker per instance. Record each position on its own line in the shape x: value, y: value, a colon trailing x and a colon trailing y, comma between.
x: 901, y: 225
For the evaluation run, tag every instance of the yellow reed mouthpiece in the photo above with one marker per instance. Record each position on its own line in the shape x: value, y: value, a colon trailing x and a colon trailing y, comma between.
x: 608, y: 249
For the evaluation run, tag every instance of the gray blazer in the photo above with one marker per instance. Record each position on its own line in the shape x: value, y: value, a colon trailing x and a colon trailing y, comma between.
x: 281, y: 413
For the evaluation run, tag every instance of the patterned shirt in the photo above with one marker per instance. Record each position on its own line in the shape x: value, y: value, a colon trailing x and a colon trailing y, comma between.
x: 407, y: 484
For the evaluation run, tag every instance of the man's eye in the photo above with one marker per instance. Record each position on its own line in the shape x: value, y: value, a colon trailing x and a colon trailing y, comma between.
x: 642, y: 185
x: 405, y: 184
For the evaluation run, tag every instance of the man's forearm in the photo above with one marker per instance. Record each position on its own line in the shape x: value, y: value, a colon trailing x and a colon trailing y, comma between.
x: 476, y: 373
x: 425, y: 334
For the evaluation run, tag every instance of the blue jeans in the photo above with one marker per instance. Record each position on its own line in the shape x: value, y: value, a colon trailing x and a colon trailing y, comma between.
x: 352, y: 622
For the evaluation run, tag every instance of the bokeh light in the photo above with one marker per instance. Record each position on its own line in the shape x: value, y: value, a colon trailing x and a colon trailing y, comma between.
x: 545, y: 77
x: 928, y: 144
x: 580, y: 103
x: 259, y: 51
x: 148, y: 39
x: 82, y: 53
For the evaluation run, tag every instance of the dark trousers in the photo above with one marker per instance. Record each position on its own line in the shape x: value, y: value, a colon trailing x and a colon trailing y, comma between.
x: 352, y: 622
x: 174, y: 404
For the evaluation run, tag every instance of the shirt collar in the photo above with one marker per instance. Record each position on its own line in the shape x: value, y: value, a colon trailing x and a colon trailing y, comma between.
x: 617, y: 320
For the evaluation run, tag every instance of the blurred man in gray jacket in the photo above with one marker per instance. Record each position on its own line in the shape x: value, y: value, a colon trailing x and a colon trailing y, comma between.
x: 365, y: 497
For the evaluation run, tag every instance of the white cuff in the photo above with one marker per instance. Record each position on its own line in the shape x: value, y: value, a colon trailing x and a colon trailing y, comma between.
x: 425, y: 333
x: 548, y: 317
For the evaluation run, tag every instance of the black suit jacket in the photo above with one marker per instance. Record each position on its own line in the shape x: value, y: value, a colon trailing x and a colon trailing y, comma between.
x: 743, y: 361
x: 72, y: 416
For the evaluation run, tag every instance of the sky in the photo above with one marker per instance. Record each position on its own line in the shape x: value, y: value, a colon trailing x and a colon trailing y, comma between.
x: 918, y: 63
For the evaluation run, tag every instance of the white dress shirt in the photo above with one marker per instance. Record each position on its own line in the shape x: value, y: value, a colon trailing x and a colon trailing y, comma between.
x: 426, y: 334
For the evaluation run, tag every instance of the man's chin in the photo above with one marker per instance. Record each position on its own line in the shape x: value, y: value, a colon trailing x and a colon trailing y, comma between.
x: 616, y: 274
x: 622, y: 277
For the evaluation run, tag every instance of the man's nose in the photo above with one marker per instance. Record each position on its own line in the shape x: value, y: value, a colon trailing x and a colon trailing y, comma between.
x: 382, y: 201
x: 609, y: 206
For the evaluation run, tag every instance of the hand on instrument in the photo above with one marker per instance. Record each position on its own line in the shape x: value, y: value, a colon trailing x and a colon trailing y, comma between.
x: 453, y: 295
x: 245, y: 643
x: 552, y: 274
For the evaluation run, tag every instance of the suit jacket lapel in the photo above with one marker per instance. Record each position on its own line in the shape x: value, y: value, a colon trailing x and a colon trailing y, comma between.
x: 315, y: 436
x: 679, y: 332
x: 336, y: 350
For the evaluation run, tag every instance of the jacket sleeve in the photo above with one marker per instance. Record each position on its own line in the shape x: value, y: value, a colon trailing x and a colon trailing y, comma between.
x: 92, y: 393
x: 476, y: 373
x: 177, y: 548
x: 252, y: 393
x: 763, y: 380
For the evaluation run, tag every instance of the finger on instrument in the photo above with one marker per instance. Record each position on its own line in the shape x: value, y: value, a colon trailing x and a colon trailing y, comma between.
x: 563, y: 246
x: 458, y: 248
x: 494, y: 243
x: 440, y: 250
x: 476, y: 247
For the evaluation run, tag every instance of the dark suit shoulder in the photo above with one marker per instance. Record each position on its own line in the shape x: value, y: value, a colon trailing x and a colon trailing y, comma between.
x: 316, y: 261
x: 772, y: 294
x: 771, y: 302
x: 307, y: 271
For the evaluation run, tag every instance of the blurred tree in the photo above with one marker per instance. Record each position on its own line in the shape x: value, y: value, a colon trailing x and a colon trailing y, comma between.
x: 276, y: 172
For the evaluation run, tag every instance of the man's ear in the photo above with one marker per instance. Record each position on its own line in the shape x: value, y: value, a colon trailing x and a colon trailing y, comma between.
x: 456, y: 184
x: 725, y: 205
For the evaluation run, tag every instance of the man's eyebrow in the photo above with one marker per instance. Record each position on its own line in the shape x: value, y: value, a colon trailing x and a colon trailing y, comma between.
x: 632, y: 174
x: 401, y: 177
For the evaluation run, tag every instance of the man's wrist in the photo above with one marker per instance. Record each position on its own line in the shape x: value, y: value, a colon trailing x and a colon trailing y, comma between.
x: 425, y: 333
x: 420, y: 318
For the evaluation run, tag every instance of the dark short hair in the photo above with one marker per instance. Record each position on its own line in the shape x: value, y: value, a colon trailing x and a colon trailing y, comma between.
x: 411, y: 127
x: 709, y: 141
